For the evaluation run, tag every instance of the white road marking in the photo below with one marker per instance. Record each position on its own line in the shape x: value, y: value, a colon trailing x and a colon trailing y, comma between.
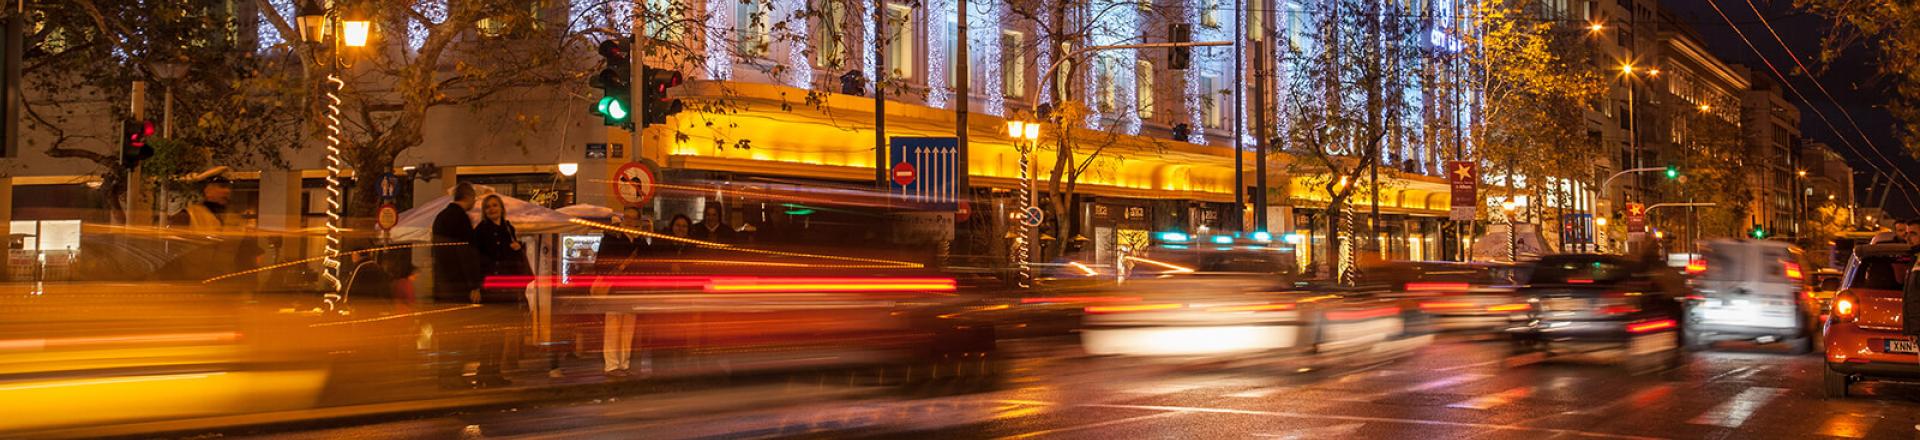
x: 1735, y: 412
x: 1428, y: 385
x: 1484, y: 426
x: 1495, y: 399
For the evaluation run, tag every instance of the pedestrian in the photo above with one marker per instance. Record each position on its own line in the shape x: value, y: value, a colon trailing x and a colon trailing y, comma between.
x: 1909, y: 231
x: 235, y: 251
x: 618, y: 251
x: 681, y: 227
x: 507, y: 269
x: 366, y: 279
x: 456, y: 265
x: 403, y: 275
x: 713, y: 225
x: 458, y: 269
x: 507, y: 274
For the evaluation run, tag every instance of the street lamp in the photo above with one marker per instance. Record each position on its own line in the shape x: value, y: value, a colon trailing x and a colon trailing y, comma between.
x: 1024, y: 135
x: 316, y: 27
x: 568, y: 169
x: 1596, y: 27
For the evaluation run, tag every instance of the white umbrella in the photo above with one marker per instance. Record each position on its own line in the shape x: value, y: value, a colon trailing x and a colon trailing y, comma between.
x: 584, y: 210
x: 416, y: 225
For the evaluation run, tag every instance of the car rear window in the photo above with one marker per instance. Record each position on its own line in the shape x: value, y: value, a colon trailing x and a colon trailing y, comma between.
x: 1583, y: 270
x: 1881, y: 273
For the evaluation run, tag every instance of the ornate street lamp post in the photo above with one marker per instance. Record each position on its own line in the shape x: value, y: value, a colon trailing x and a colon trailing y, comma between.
x: 319, y: 25
x: 1024, y: 135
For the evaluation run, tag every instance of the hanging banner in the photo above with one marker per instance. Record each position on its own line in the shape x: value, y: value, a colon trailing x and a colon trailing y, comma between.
x: 1463, y: 177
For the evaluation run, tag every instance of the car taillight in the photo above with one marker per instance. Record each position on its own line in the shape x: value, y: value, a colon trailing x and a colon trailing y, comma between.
x: 1651, y: 326
x: 1619, y: 309
x: 1696, y: 267
x: 1793, y: 270
x: 1845, y: 307
x: 1428, y: 287
x: 1133, y: 308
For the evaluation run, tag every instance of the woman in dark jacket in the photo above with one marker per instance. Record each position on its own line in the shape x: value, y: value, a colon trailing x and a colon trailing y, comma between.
x: 497, y: 240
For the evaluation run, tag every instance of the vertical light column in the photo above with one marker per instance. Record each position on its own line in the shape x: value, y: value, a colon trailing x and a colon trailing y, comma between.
x: 985, y: 29
x: 799, y: 68
x: 719, y: 41
x: 330, y: 261
x: 939, y: 60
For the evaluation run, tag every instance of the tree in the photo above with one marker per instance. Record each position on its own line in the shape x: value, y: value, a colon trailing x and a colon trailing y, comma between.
x: 1344, y: 104
x: 1893, y: 30
x: 79, y: 64
x: 1528, y: 101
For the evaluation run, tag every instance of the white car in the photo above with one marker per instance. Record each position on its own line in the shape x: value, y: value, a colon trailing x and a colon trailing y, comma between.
x: 1749, y: 290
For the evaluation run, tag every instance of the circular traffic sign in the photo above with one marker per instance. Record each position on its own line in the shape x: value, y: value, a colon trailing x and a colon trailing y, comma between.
x: 904, y: 174
x: 962, y: 211
x: 633, y: 182
x: 1031, y: 216
x: 387, y: 217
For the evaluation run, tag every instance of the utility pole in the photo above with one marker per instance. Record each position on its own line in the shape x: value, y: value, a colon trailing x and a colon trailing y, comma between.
x: 1239, y: 112
x: 880, y: 94
x: 1260, y: 129
x: 962, y: 87
x: 137, y: 214
x: 636, y: 83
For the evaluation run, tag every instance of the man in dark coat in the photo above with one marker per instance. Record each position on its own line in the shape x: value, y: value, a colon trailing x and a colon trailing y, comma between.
x: 457, y: 268
x: 713, y: 225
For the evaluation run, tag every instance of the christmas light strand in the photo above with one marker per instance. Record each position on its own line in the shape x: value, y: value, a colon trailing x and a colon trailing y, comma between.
x: 331, y: 256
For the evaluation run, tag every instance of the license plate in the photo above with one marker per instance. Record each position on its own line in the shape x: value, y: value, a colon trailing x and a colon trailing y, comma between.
x: 1900, y: 346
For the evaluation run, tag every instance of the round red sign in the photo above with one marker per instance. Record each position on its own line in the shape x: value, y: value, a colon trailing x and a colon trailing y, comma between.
x: 633, y: 182
x: 388, y: 217
x: 904, y: 174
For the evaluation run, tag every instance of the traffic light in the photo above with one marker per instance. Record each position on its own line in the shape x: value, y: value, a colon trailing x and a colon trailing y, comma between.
x: 1759, y: 232
x: 1673, y: 172
x: 615, y: 82
x: 1178, y: 58
x: 654, y: 94
x: 133, y: 142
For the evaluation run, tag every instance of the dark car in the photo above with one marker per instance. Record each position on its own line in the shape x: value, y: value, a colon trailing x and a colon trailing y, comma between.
x: 1457, y: 296
x: 1591, y: 304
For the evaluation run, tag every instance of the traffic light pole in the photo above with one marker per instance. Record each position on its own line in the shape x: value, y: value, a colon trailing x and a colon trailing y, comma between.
x: 136, y: 209
x: 636, y: 79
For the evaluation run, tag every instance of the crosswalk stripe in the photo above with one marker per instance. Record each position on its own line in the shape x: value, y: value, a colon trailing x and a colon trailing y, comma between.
x: 1495, y: 399
x: 1430, y: 385
x: 1734, y: 412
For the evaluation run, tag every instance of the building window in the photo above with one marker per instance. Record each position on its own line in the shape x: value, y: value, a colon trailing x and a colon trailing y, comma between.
x: 899, y: 41
x: 1106, y: 72
x: 830, y: 40
x: 750, y: 28
x: 1013, y: 65
x: 1143, y: 89
x: 1210, y: 102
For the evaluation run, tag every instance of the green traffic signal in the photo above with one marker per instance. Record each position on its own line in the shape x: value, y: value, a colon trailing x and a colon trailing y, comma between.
x: 613, y: 109
x: 1673, y: 172
x: 1759, y: 232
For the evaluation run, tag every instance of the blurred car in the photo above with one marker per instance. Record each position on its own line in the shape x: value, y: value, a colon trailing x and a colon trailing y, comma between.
x: 1748, y: 290
x: 1183, y: 314
x: 1586, y: 303
x: 1864, y: 338
x: 1819, y: 297
x: 1457, y: 296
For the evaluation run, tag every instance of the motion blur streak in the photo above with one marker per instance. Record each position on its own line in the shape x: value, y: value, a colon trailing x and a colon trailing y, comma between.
x: 1138, y: 308
x: 1078, y: 299
x: 1171, y: 268
x: 726, y: 247
x: 397, y: 316
x: 1354, y: 315
x: 731, y: 284
x: 319, y: 258
x: 1508, y: 308
x: 1084, y: 270
x: 59, y: 343
x: 1255, y: 308
x: 1643, y: 327
x: 105, y: 381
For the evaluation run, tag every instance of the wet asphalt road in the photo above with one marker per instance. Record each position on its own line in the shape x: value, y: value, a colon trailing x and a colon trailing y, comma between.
x: 1453, y: 389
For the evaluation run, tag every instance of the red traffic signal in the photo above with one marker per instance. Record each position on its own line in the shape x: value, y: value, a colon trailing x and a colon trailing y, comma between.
x: 133, y: 142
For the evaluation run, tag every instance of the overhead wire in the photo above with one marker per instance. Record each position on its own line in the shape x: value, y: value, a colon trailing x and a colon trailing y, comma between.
x: 1817, y: 84
x: 1816, y: 111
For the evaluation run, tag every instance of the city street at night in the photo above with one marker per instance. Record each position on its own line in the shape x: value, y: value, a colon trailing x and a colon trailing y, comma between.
x: 1452, y: 390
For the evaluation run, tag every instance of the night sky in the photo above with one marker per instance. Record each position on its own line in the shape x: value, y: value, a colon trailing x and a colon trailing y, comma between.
x: 1851, y: 79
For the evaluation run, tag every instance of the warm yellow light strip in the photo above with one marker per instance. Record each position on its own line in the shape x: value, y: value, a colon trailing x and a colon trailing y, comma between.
x: 1172, y: 268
